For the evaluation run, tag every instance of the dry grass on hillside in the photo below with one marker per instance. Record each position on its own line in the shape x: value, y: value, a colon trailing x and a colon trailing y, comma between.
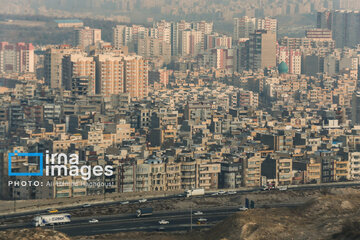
x: 32, y: 234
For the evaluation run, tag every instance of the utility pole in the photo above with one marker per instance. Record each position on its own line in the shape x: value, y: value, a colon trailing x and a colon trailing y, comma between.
x: 104, y: 192
x: 191, y: 218
x: 14, y: 199
x: 104, y: 187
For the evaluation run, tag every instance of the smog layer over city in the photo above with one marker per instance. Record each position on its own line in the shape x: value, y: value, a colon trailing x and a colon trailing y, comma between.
x: 179, y: 119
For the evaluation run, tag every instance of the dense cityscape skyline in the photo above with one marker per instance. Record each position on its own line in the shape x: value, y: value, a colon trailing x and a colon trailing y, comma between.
x: 179, y: 116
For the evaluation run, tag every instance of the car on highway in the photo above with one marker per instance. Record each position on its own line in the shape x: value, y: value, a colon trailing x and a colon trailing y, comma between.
x: 201, y: 221
x: 242, y: 208
x: 124, y: 202
x: 51, y: 210
x: 268, y: 188
x: 215, y: 194
x: 198, y: 213
x: 93, y: 220
x: 142, y: 200
x: 160, y: 229
x: 163, y: 222
x: 221, y: 192
x: 86, y: 205
x: 231, y: 192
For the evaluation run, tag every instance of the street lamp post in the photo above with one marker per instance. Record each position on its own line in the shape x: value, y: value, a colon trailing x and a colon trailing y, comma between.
x: 14, y: 199
x: 190, y: 217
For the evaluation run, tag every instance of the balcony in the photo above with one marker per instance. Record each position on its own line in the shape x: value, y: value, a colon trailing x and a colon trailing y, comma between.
x: 205, y: 185
x: 188, y: 176
x: 205, y: 178
x: 173, y: 184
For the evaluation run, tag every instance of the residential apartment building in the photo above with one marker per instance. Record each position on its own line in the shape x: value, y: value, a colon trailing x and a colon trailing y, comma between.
x: 190, y: 42
x: 188, y: 174
x: 319, y: 34
x: 262, y: 50
x: 344, y: 25
x: 143, y: 178
x: 53, y: 64
x: 208, y: 175
x: 122, y: 36
x: 136, y: 76
x: 121, y: 74
x: 354, y: 159
x: 284, y: 174
x: 123, y: 131
x: 252, y: 171
x: 217, y: 41
x: 75, y: 66
x: 313, y: 171
x: 17, y: 58
x: 69, y: 187
x: 292, y: 58
x: 150, y: 47
x: 245, y: 26
x: 341, y: 169
x: 176, y: 29
x: 355, y: 111
x: 203, y: 26
x: 85, y: 37
x: 173, y: 176
x: 231, y: 175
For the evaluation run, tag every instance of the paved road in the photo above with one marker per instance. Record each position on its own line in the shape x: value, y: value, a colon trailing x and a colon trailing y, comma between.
x: 239, y: 192
x: 179, y: 221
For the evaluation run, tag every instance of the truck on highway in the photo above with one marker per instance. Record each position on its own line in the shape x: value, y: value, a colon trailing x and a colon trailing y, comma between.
x: 195, y: 192
x: 282, y: 188
x: 43, y: 220
x: 142, y: 212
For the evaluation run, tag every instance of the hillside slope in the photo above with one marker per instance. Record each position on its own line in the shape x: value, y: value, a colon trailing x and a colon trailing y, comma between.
x: 330, y: 216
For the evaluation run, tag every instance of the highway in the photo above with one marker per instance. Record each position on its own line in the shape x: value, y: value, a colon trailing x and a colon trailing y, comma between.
x: 208, y: 194
x: 179, y: 221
